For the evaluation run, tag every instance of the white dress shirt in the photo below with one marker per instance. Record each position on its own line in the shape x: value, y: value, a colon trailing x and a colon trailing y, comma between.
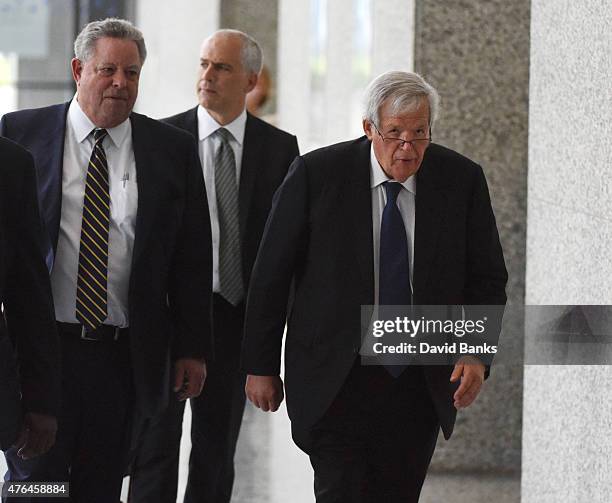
x: 208, y: 146
x: 406, y: 204
x: 78, y: 145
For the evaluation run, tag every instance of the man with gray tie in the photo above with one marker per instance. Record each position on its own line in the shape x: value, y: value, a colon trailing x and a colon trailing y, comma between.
x: 128, y: 238
x: 244, y: 160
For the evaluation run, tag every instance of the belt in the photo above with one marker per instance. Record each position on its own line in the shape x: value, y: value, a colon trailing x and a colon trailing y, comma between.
x: 102, y: 333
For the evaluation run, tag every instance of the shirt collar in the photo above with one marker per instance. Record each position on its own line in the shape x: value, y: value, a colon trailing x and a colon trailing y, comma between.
x: 207, y: 125
x: 83, y: 126
x: 378, y: 176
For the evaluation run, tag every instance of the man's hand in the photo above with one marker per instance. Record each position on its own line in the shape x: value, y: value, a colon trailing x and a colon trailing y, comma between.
x: 37, y: 435
x: 189, y: 377
x: 471, y: 371
x: 266, y: 392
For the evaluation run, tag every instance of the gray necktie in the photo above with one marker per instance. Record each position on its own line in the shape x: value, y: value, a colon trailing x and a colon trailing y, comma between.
x: 230, y: 260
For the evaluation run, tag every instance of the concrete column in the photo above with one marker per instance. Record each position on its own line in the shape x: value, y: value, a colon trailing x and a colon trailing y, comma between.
x: 260, y: 20
x: 173, y: 35
x: 476, y: 54
x: 293, y: 67
x: 392, y: 36
x: 336, y: 120
x: 567, y: 409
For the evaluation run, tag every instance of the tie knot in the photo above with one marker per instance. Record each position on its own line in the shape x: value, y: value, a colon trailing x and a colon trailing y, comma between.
x: 99, y: 134
x: 224, y: 134
x: 392, y: 189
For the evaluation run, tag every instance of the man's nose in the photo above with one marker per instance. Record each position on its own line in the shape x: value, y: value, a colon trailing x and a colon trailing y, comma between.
x: 406, y: 145
x: 119, y: 80
x: 208, y: 73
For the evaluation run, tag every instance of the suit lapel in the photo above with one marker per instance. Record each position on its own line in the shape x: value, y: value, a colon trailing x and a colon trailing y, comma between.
x: 144, y: 157
x: 191, y: 123
x: 252, y: 155
x: 360, y: 205
x: 49, y: 156
x: 431, y: 201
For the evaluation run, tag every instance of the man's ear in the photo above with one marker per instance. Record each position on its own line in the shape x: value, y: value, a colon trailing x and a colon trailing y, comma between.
x: 252, y: 82
x: 368, y: 129
x: 77, y: 69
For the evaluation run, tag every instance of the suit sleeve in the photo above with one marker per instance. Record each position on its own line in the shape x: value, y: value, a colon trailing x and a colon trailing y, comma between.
x: 190, y: 289
x: 279, y: 253
x: 486, y: 269
x: 28, y: 305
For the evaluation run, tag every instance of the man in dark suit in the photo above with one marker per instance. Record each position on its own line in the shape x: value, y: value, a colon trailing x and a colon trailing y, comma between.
x: 257, y: 156
x: 29, y: 387
x: 388, y: 219
x: 128, y: 238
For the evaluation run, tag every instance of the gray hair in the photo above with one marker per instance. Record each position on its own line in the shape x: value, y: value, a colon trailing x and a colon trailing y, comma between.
x: 405, y: 90
x: 251, y: 53
x: 112, y: 27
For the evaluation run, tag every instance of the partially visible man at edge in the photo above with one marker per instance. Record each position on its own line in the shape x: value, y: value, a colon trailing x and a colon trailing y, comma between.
x: 29, y: 385
x: 244, y: 160
x: 128, y: 236
x: 388, y: 219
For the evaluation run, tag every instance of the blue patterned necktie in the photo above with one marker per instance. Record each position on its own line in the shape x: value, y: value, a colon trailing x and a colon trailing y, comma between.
x: 394, y: 269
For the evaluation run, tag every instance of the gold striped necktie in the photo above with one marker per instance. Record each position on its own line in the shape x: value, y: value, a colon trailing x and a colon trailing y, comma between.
x: 91, y: 298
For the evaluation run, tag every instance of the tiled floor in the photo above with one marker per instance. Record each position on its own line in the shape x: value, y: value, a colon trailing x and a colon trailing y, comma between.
x: 270, y: 469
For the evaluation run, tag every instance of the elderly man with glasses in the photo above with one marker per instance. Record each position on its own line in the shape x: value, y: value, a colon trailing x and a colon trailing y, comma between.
x: 387, y: 219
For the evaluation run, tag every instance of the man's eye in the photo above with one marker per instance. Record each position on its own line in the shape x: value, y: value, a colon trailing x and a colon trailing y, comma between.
x: 106, y: 70
x: 204, y: 64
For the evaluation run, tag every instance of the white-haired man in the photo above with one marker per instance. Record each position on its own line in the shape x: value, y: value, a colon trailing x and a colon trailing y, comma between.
x: 387, y: 219
x: 128, y: 239
x: 244, y: 160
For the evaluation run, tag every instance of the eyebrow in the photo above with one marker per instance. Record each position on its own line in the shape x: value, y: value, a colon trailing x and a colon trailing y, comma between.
x: 216, y: 63
x: 114, y: 65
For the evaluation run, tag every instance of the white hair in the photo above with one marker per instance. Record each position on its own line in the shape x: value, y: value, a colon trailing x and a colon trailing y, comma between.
x: 111, y: 27
x: 405, y: 90
x: 251, y: 53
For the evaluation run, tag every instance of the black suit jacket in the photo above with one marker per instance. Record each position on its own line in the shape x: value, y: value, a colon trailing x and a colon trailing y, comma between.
x: 266, y: 157
x: 319, y: 234
x: 26, y: 295
x: 169, y: 287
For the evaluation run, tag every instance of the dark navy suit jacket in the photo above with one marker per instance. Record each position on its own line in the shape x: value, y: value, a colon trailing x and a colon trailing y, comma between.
x: 169, y: 289
x: 26, y: 295
x: 319, y: 237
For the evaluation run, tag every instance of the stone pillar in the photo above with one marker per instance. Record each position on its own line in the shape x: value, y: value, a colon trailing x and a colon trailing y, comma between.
x: 567, y: 409
x: 260, y: 20
x: 173, y: 35
x: 476, y: 54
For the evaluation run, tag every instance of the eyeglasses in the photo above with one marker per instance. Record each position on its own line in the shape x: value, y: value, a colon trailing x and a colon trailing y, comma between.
x: 416, y: 142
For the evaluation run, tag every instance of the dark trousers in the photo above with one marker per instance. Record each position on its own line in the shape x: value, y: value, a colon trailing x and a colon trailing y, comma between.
x: 376, y: 440
x: 93, y: 425
x: 216, y: 418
